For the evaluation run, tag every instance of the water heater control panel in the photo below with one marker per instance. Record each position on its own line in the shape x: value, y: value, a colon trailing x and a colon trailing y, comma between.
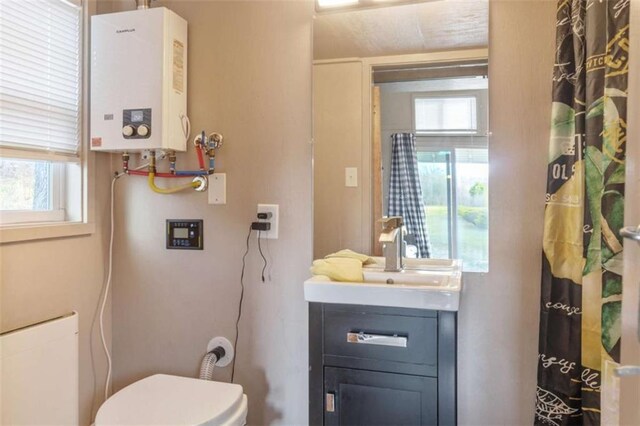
x: 136, y: 123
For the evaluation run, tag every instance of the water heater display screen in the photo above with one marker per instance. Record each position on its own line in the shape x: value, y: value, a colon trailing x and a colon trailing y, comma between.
x: 137, y: 116
x: 180, y: 233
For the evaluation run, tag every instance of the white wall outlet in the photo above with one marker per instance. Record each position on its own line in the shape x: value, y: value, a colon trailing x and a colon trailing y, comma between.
x: 273, y: 209
x: 351, y: 177
x: 228, y: 350
x: 218, y: 188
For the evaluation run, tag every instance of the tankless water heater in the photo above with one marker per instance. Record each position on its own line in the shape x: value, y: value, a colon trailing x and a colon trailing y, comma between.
x: 139, y: 81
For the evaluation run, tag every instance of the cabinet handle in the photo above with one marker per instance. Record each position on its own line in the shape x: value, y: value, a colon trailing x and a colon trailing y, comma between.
x: 377, y: 339
x: 330, y: 398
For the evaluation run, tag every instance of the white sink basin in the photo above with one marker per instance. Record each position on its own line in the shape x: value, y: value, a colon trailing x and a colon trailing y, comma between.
x: 423, y: 284
x: 422, y: 264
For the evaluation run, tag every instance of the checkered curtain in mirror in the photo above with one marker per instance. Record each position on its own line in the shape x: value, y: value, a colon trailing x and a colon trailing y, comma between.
x: 405, y: 192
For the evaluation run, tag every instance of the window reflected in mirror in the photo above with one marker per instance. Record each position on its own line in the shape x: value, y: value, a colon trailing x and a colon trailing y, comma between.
x: 448, y: 118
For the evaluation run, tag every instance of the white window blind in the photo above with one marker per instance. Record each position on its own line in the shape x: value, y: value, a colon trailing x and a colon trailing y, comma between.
x: 40, y: 75
x: 446, y: 114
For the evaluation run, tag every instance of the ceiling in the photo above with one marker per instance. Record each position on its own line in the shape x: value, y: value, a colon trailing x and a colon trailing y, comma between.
x: 413, y: 28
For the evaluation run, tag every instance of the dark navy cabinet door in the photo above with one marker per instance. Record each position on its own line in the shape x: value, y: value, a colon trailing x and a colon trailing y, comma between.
x: 371, y: 398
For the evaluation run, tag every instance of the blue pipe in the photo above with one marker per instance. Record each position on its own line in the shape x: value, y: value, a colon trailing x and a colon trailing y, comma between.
x: 212, y: 158
x: 192, y: 173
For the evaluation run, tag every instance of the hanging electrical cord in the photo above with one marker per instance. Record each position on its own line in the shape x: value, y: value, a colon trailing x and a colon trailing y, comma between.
x: 235, y: 343
x: 107, y: 287
x: 264, y: 259
x: 269, y: 260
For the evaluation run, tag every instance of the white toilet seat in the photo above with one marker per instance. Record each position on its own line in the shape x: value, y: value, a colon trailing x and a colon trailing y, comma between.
x: 171, y: 400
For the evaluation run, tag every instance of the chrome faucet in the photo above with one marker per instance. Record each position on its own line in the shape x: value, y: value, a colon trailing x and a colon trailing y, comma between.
x: 391, y: 236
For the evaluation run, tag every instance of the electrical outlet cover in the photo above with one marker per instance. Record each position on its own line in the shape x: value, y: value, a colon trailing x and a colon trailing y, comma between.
x: 218, y: 188
x: 273, y: 209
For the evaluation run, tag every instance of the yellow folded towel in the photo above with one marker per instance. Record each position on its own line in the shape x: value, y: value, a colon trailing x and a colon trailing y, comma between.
x: 346, y: 253
x: 344, y: 265
x: 338, y: 268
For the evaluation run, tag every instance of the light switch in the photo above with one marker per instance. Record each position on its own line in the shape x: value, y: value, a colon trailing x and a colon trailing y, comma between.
x: 351, y: 177
x: 218, y: 188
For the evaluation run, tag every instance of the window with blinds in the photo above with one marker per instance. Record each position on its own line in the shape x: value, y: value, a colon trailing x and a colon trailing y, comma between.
x: 446, y: 114
x: 40, y: 107
x: 40, y: 75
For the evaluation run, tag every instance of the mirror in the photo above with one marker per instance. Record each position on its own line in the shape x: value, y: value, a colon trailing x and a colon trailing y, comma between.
x: 401, y: 128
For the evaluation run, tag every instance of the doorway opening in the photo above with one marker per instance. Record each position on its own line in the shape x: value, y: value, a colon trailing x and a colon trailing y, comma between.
x: 445, y: 107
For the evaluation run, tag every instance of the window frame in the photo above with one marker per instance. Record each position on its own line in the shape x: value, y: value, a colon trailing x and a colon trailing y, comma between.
x: 58, y: 198
x: 64, y: 220
x: 452, y: 181
x: 452, y: 199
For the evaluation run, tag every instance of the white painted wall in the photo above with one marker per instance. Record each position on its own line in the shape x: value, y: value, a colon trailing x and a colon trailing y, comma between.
x: 337, y: 135
x: 250, y: 79
x: 499, y: 314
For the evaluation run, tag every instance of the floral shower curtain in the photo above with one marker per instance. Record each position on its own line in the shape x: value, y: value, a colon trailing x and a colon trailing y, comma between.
x: 582, y: 261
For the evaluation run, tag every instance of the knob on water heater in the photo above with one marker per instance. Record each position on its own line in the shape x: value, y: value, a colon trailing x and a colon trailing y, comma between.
x: 128, y: 130
x: 143, y: 130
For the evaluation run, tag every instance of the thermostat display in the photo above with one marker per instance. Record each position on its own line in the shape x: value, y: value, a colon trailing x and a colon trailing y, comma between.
x: 181, y: 232
x: 137, y: 116
x: 184, y: 234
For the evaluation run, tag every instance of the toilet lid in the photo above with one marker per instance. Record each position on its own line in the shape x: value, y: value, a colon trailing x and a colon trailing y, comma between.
x: 171, y: 400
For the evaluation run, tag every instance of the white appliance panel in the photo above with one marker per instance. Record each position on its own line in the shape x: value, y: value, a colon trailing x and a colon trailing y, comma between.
x: 138, y: 68
x: 39, y: 374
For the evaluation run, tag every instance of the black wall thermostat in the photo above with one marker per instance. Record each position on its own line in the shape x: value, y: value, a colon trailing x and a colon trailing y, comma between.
x: 184, y: 234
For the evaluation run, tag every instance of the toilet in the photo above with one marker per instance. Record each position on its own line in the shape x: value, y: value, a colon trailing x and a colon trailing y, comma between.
x: 172, y: 400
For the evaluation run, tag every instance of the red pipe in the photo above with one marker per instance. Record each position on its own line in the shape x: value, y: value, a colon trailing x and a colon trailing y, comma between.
x: 138, y: 172
x: 200, y: 156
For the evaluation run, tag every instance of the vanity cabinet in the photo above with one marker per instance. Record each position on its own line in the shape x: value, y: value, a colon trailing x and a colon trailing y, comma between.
x: 362, y: 397
x: 373, y: 365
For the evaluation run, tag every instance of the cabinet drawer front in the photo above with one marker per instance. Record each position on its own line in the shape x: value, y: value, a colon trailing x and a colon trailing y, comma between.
x: 358, y: 397
x: 395, y: 343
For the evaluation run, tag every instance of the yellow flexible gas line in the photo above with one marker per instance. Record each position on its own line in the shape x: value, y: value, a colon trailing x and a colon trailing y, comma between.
x: 152, y: 185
